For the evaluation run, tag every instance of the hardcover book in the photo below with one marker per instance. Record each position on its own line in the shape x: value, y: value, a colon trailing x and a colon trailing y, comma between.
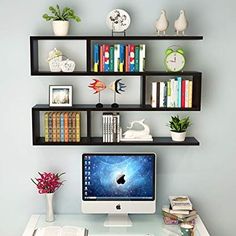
x: 180, y: 203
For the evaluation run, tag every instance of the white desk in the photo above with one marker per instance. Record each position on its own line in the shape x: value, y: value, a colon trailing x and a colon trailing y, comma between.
x: 142, y: 225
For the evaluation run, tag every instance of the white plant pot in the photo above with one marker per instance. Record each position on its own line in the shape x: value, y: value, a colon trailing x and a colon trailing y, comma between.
x: 178, y: 137
x: 60, y: 27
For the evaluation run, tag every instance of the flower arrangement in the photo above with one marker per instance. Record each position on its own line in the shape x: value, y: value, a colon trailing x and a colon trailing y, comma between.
x: 48, y: 182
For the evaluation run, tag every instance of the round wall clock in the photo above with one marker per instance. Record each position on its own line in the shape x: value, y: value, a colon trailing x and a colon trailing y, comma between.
x: 174, y: 60
x: 118, y: 20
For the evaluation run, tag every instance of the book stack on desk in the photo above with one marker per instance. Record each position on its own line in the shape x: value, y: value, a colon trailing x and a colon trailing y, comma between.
x: 180, y: 210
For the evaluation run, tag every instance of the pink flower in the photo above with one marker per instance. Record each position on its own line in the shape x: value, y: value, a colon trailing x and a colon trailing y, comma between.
x: 48, y: 182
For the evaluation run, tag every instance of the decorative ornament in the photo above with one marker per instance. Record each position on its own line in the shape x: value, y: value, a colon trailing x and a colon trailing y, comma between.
x: 54, y: 60
x: 117, y: 87
x: 181, y: 23
x: 137, y: 135
x: 118, y: 21
x: 67, y: 65
x: 162, y: 23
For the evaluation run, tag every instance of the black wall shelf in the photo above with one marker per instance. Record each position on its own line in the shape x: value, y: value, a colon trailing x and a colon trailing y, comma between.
x: 144, y: 77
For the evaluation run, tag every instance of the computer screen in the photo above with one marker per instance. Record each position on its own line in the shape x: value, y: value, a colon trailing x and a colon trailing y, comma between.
x: 118, y: 177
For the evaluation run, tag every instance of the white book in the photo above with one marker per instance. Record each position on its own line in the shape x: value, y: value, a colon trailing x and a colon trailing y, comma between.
x: 162, y: 88
x: 190, y: 93
x: 168, y: 93
x: 186, y: 93
x: 111, y: 128
x: 118, y: 128
x: 103, y: 128
x: 116, y: 57
x: 175, y: 95
x: 61, y: 231
x: 154, y: 94
x: 180, y: 203
x: 172, y: 101
x: 142, y: 57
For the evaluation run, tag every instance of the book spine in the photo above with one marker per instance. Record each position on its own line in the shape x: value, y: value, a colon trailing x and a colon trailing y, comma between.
x: 106, y: 58
x: 136, y: 58
x: 77, y: 127
x: 111, y: 58
x: 162, y: 86
x: 175, y: 93
x: 73, y: 126
x: 131, y: 58
x: 111, y: 128
x: 70, y: 126
x: 101, y: 58
x: 103, y: 128
x: 154, y: 94
x: 127, y: 58
x: 95, y: 57
x: 122, y: 58
x: 165, y: 94
x: 183, y: 94
x: 142, y: 57
x: 179, y: 90
x: 172, y: 98
x: 58, y: 115
x: 46, y: 136
x: 54, y: 127
x: 66, y: 126
x: 186, y: 93
x: 62, y: 134
x: 50, y: 127
x: 116, y: 57
x: 190, y: 93
x: 114, y: 127
x: 118, y: 127
x: 168, y: 93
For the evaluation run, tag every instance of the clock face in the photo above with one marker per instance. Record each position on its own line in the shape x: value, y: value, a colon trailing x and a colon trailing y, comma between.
x: 175, y: 62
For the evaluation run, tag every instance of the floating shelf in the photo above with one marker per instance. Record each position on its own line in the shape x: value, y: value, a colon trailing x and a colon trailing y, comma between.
x: 97, y: 141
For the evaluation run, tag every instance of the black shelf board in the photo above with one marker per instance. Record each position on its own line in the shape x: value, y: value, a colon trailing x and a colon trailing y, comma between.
x: 107, y: 107
x: 146, y: 73
x: 97, y: 141
x: 109, y: 37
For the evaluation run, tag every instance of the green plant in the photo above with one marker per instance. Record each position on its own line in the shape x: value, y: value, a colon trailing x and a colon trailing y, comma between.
x: 59, y: 14
x: 179, y: 125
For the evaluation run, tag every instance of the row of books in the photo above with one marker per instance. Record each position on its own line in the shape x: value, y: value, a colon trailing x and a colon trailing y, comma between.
x: 175, y: 92
x: 180, y: 210
x: 119, y: 58
x: 111, y: 127
x: 62, y: 126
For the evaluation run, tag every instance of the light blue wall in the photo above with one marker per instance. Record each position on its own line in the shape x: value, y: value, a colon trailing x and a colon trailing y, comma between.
x: 206, y: 173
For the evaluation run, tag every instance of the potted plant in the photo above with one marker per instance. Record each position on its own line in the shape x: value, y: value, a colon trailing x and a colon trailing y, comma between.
x: 178, y: 127
x: 60, y: 19
x: 47, y: 184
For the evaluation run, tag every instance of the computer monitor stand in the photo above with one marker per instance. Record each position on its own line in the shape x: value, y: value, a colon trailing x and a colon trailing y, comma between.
x: 118, y: 220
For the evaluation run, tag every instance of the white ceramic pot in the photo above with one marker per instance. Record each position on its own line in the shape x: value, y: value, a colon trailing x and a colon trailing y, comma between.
x: 178, y: 137
x: 49, y: 207
x: 60, y: 27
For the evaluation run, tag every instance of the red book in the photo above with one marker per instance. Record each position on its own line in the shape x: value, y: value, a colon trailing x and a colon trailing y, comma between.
x: 183, y: 94
x: 101, y: 58
x: 131, y: 58
x: 106, y: 58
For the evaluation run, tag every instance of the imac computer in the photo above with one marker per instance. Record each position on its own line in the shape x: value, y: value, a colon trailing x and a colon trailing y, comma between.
x: 118, y: 184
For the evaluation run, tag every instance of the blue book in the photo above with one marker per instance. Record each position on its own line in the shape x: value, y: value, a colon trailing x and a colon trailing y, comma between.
x: 179, y: 89
x: 62, y: 134
x: 95, y: 57
x: 122, y: 57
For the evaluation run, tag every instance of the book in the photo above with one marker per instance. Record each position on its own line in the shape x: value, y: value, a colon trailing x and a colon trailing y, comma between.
x: 179, y: 80
x: 142, y: 57
x: 162, y: 87
x: 70, y: 126
x: 54, y: 126
x: 127, y: 67
x: 95, y: 57
x: 116, y: 57
x: 136, y: 58
x: 62, y: 134
x: 49, y: 126
x: 154, y: 95
x: 73, y: 126
x: 101, y: 61
x: 131, y: 58
x: 58, y: 117
x: 190, y: 93
x: 122, y: 58
x: 61, y: 231
x: 186, y: 93
x: 46, y: 127
x: 180, y: 203
x: 111, y: 58
x: 66, y: 127
x: 183, y: 94
x: 106, y: 58
x: 77, y: 127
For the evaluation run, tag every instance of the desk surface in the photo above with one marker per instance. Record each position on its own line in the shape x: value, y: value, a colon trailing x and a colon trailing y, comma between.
x: 142, y: 225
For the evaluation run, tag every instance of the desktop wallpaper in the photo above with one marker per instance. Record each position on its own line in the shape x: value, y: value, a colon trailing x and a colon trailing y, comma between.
x: 118, y: 177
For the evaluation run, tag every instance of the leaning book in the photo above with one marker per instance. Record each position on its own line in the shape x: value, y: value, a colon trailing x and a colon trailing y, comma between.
x: 61, y: 231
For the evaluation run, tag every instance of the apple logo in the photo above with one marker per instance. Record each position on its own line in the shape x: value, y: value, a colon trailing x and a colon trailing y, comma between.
x: 120, y: 179
x: 118, y: 207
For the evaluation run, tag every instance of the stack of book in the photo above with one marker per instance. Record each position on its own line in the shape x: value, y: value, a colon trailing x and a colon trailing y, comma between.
x: 175, y: 92
x: 118, y: 58
x: 62, y: 126
x: 111, y: 127
x: 180, y: 210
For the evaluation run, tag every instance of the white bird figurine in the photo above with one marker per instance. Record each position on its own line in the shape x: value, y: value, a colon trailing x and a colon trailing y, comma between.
x: 162, y: 23
x: 181, y: 23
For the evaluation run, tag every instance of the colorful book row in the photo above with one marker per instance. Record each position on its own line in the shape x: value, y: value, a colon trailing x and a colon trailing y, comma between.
x: 111, y: 127
x: 172, y: 93
x: 119, y: 58
x: 62, y: 126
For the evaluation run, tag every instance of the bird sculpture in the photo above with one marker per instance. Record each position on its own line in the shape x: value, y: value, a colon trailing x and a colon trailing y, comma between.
x: 162, y: 23
x: 181, y: 23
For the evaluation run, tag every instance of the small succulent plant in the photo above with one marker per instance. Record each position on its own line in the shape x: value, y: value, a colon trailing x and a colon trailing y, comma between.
x: 59, y: 14
x: 179, y: 125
